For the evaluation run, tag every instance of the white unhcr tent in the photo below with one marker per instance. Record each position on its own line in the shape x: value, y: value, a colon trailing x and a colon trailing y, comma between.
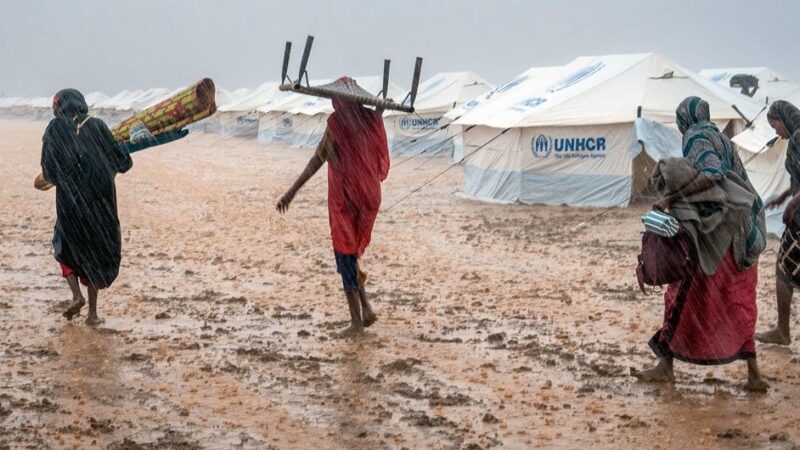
x: 10, y: 106
x: 572, y: 137
x: 240, y: 118
x: 110, y: 109
x: 417, y: 133
x: 300, y: 120
x: 41, y: 108
x: 520, y: 82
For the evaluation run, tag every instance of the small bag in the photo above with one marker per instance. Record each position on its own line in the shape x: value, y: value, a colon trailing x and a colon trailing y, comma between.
x: 663, y: 260
x: 660, y: 223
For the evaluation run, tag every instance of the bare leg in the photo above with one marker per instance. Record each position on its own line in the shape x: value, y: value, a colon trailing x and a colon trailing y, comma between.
x: 661, y: 373
x: 366, y: 309
x: 92, y: 319
x: 356, y: 323
x: 754, y: 381
x: 367, y: 314
x: 780, y: 334
x: 77, y: 298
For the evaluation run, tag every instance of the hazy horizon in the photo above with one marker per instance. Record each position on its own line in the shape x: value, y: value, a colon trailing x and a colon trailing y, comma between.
x: 113, y: 45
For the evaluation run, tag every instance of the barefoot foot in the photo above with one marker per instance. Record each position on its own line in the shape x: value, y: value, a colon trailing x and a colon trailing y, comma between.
x: 774, y: 336
x: 93, y: 320
x: 74, y: 308
x: 658, y: 374
x: 351, y: 331
x: 369, y: 319
x: 756, y: 384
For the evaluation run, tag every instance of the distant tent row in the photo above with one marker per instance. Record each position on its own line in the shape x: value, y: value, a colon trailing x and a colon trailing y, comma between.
x: 428, y: 130
x: 300, y: 120
x: 274, y: 116
x: 585, y: 134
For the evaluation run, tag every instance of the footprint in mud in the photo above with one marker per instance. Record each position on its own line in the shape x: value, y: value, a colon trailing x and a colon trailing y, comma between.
x: 420, y: 419
x: 170, y: 440
x: 401, y: 365
x: 101, y: 425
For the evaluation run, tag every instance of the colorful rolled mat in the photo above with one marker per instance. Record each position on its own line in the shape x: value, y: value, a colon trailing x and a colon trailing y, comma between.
x: 190, y: 105
x: 163, y: 122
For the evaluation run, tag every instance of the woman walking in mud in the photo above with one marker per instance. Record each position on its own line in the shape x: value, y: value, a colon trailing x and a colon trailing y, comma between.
x: 81, y: 158
x: 710, y: 316
x: 355, y: 148
x: 784, y: 117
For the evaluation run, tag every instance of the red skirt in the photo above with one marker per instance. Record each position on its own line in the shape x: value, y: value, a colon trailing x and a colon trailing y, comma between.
x: 710, y: 319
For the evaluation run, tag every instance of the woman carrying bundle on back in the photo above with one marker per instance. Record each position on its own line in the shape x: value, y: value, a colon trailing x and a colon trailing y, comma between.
x: 710, y: 316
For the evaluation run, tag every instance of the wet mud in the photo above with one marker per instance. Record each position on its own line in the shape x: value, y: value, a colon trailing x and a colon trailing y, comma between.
x: 500, y: 326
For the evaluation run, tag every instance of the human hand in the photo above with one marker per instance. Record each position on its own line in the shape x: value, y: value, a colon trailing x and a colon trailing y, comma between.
x: 283, y: 203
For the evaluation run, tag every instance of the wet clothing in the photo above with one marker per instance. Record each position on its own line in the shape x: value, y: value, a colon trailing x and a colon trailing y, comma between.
x: 787, y: 114
x: 355, y: 148
x: 789, y: 254
x: 709, y: 318
x: 712, y: 219
x: 66, y: 271
x: 81, y: 158
x: 712, y: 153
x: 347, y: 267
x: 357, y: 153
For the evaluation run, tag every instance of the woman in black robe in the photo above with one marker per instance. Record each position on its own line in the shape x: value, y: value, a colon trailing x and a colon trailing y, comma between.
x: 81, y: 158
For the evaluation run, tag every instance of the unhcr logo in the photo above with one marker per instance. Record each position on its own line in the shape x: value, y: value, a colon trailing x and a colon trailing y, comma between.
x: 419, y: 123
x: 543, y: 146
x: 287, y: 122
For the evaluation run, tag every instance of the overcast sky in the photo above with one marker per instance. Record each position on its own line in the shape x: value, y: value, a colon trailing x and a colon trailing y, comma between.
x: 110, y: 45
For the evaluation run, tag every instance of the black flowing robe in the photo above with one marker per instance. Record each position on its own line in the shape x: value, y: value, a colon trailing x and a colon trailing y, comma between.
x: 82, y: 165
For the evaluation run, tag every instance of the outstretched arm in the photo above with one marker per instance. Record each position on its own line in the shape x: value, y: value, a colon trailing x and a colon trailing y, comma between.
x: 312, y: 167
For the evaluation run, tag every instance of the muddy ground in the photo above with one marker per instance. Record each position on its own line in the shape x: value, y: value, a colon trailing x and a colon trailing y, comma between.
x: 500, y: 326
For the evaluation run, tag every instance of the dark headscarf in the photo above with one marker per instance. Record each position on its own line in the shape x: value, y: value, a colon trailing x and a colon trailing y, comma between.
x: 70, y: 104
x: 787, y: 114
x: 691, y: 111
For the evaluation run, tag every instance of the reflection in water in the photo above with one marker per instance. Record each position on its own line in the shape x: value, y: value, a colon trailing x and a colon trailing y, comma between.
x: 351, y: 415
x: 88, y: 366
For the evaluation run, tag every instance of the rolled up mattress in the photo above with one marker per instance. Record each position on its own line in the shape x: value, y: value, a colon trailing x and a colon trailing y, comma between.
x: 190, y: 105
